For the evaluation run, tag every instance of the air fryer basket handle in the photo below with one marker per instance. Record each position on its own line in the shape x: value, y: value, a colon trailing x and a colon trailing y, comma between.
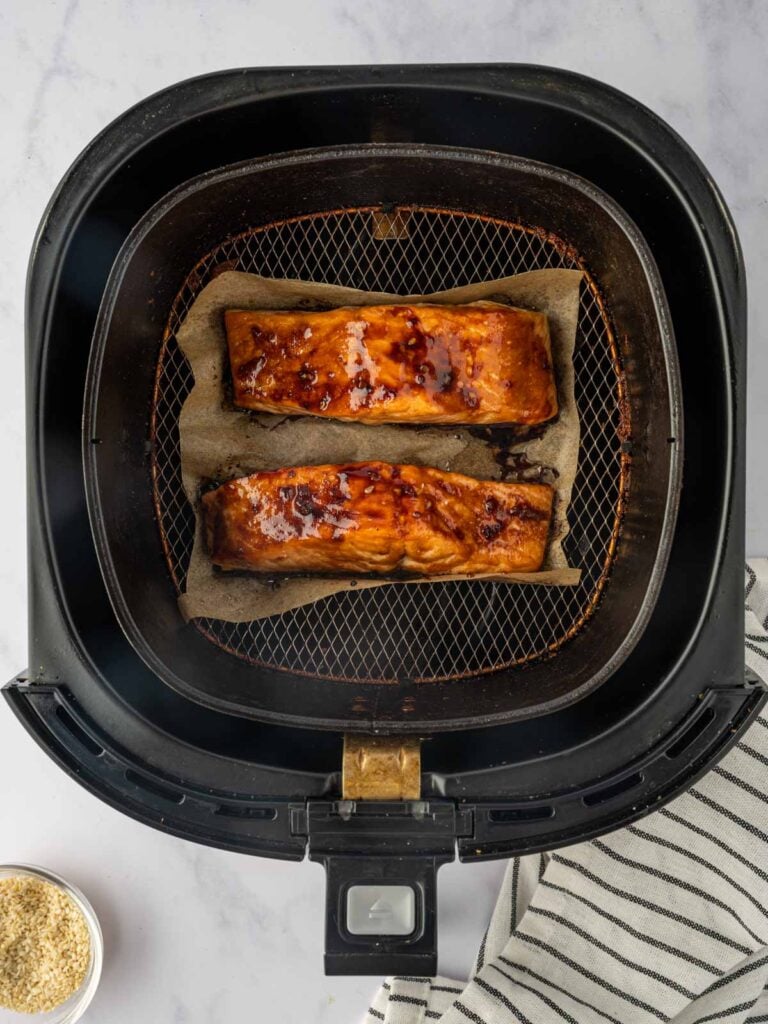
x: 381, y: 913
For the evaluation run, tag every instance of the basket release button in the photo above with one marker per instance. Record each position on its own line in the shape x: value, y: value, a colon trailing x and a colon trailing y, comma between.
x: 381, y: 910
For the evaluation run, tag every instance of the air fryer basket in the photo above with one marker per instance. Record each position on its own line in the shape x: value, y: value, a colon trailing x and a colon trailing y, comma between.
x: 472, y: 216
x: 426, y: 633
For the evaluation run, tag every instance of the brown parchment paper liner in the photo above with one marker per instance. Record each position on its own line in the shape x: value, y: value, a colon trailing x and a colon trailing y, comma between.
x: 219, y: 442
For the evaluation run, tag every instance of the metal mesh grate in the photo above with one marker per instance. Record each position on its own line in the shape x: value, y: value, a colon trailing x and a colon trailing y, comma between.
x: 419, y: 632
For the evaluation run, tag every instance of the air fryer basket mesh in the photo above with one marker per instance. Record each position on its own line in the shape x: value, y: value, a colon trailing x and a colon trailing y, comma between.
x: 419, y: 632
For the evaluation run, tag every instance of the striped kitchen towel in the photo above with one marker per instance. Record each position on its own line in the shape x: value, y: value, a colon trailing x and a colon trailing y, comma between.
x: 666, y: 920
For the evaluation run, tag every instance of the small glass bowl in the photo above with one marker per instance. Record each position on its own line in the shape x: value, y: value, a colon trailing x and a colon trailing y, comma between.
x: 73, y: 1008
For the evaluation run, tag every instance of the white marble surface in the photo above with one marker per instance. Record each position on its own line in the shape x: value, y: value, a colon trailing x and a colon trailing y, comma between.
x: 196, y: 935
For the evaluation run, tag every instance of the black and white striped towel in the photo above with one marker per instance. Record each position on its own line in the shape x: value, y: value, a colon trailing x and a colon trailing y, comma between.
x: 666, y: 920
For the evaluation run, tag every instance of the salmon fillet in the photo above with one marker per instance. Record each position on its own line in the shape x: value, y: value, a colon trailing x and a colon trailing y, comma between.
x: 374, y: 518
x: 479, y: 363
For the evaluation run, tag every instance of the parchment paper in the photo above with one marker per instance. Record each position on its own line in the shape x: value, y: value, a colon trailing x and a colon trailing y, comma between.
x: 219, y: 442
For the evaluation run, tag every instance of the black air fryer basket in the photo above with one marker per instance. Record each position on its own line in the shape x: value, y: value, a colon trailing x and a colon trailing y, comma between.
x: 547, y: 714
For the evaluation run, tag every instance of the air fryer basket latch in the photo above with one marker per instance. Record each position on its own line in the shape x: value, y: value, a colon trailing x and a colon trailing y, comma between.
x: 381, y: 768
x: 381, y: 861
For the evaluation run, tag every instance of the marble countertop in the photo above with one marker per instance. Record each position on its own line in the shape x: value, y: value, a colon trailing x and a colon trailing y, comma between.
x: 199, y: 936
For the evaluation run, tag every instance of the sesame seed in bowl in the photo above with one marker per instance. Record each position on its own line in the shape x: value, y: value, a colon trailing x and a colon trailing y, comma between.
x: 50, y: 947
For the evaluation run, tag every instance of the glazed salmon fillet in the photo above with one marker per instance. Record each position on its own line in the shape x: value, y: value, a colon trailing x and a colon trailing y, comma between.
x: 375, y: 518
x: 478, y: 363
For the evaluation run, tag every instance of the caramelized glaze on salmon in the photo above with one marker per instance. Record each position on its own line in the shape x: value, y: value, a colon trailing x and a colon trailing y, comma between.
x: 373, y: 518
x: 478, y: 363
